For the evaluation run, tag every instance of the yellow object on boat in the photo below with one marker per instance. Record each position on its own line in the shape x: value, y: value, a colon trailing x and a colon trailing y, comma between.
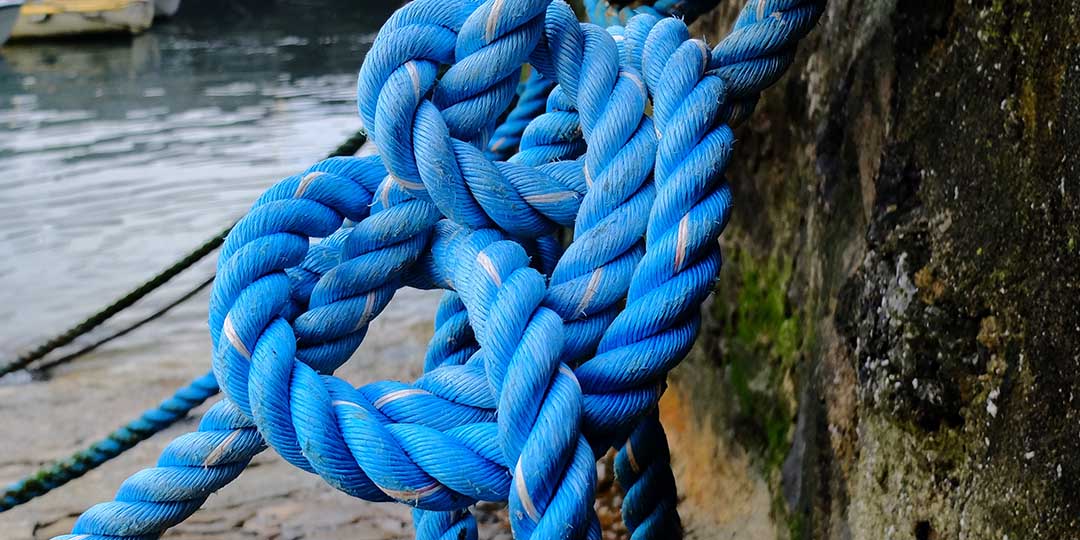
x: 52, y: 7
x: 47, y: 18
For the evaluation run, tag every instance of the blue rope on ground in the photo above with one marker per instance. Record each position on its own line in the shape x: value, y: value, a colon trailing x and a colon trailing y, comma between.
x: 193, y: 466
x: 89, y: 458
x: 567, y: 370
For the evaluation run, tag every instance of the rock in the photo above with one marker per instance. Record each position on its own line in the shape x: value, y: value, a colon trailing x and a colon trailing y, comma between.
x: 893, y: 346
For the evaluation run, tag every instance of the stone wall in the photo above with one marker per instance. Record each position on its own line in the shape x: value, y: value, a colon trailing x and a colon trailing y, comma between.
x: 894, y: 343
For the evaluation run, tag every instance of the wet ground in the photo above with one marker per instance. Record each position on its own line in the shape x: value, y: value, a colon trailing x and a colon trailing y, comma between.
x: 116, y: 158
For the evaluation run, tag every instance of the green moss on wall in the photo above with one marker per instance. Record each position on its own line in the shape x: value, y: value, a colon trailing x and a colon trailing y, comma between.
x: 760, y: 336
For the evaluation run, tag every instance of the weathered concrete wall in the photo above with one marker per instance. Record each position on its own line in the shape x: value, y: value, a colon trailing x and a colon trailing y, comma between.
x: 894, y: 345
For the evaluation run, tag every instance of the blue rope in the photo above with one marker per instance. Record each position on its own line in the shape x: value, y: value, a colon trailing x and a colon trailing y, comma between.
x: 437, y: 444
x: 662, y: 497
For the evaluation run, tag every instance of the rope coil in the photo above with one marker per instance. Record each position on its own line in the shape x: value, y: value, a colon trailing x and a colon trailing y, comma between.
x: 564, y: 364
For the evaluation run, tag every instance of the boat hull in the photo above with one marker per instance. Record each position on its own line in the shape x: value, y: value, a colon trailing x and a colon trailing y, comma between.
x: 9, y: 13
x: 53, y: 18
x: 166, y: 8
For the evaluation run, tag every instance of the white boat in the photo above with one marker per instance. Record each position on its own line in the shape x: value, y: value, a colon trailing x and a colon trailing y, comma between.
x: 49, y: 18
x: 9, y: 13
x: 166, y: 8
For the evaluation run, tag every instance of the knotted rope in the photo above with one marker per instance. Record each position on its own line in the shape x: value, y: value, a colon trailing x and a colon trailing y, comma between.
x: 568, y: 371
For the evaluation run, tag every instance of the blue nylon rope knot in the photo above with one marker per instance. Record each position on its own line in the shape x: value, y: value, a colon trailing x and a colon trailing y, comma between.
x: 543, y: 366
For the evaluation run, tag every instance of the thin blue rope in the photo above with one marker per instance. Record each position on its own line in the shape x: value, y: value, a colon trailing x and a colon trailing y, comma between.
x: 83, y: 461
x: 440, y: 445
x: 190, y: 468
x: 532, y: 100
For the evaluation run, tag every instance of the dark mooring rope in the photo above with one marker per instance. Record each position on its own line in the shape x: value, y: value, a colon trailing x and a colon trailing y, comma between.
x: 60, y: 472
x: 41, y: 369
x: 347, y: 148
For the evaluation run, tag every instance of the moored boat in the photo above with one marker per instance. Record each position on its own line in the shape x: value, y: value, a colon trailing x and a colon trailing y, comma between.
x: 9, y: 13
x: 49, y: 18
x: 166, y: 8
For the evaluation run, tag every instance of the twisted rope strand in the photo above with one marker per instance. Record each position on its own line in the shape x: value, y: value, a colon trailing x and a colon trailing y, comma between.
x: 426, y: 151
x: 689, y: 189
x: 681, y: 256
x: 539, y: 400
x: 193, y: 466
x: 643, y: 469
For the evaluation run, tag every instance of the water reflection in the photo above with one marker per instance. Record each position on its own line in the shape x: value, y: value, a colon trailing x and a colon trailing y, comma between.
x: 116, y: 156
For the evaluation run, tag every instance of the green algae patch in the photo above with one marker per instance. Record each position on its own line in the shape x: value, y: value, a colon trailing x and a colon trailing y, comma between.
x: 760, y: 337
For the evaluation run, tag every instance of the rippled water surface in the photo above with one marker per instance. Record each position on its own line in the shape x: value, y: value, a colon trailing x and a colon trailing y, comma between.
x: 118, y: 156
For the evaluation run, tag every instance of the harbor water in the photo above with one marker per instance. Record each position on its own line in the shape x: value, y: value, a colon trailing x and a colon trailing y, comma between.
x: 119, y: 155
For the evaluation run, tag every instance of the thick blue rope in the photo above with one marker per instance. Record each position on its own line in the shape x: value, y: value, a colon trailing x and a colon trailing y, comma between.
x: 301, y: 272
x: 190, y: 468
x: 453, y: 342
x: 691, y: 190
x: 399, y: 419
